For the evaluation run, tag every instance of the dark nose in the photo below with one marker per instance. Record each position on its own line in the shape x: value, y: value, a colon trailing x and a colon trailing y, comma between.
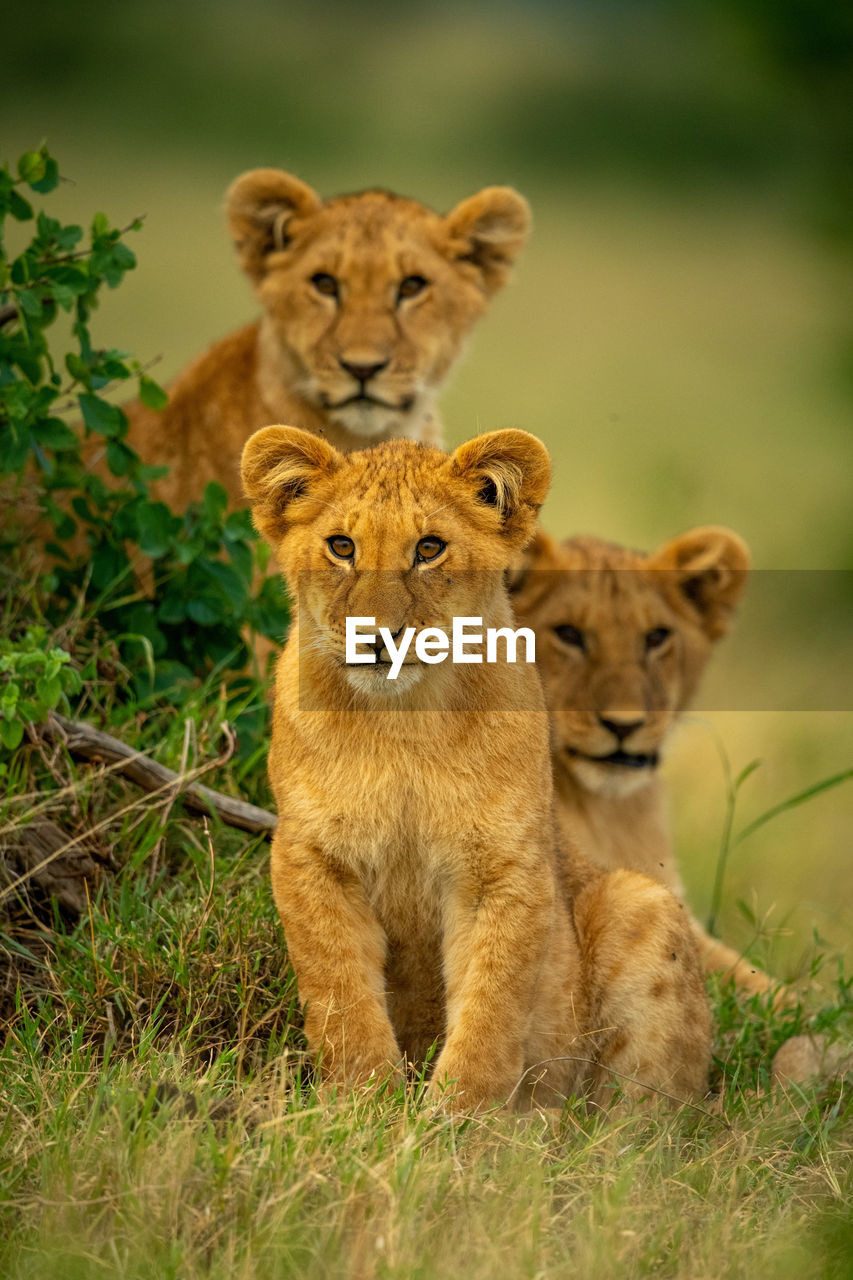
x: 363, y: 372
x: 621, y: 729
x: 380, y: 643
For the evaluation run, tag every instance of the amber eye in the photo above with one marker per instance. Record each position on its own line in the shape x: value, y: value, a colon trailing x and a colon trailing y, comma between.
x: 657, y: 638
x: 411, y: 286
x: 572, y: 636
x: 325, y: 284
x: 428, y: 549
x: 341, y: 546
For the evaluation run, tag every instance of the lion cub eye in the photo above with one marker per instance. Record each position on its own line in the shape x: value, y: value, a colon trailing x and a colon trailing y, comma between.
x: 325, y: 284
x: 341, y: 546
x: 657, y: 638
x: 410, y: 287
x: 572, y: 636
x: 428, y: 549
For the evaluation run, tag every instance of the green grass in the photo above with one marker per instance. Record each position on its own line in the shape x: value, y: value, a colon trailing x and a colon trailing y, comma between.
x: 111, y: 1180
x: 159, y: 1116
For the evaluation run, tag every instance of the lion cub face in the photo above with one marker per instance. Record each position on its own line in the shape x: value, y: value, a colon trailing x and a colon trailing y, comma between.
x: 402, y: 533
x: 622, y: 639
x: 370, y: 295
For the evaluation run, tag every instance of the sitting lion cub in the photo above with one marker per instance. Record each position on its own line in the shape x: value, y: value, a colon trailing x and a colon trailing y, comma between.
x: 415, y: 867
x: 621, y: 642
x: 366, y: 300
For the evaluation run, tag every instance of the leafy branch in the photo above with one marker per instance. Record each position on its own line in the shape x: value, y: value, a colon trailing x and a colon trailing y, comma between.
x: 178, y: 592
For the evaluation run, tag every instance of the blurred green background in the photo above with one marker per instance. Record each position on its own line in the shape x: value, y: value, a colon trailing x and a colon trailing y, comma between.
x: 679, y: 330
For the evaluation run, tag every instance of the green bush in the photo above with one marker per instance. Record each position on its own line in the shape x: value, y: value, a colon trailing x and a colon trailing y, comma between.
x: 36, y: 680
x: 177, y: 592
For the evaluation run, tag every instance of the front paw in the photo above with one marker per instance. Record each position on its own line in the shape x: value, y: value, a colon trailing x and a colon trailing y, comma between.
x: 348, y: 1054
x: 460, y: 1086
x: 366, y: 1065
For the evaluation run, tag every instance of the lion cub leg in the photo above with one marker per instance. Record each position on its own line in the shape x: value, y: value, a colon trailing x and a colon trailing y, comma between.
x: 496, y: 938
x: 337, y: 949
x: 651, y: 1020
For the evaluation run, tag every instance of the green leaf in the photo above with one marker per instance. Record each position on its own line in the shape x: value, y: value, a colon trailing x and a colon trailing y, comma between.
x: 151, y: 393
x: 14, y: 451
x: 100, y: 416
x: 241, y: 558
x: 32, y: 166
x: 157, y: 528
x: 53, y: 433
x: 49, y: 689
x: 50, y: 179
x: 206, y: 610
x: 78, y: 369
x: 171, y: 681
x: 30, y: 303
x: 173, y: 610
x: 238, y: 527
x: 63, y: 295
x: 64, y: 528
x: 110, y: 566
x: 68, y: 238
x: 11, y: 733
x: 119, y: 458
x: 123, y: 257
x: 215, y: 501
x: 149, y: 473
x: 268, y: 612
x: 11, y: 693
x: 19, y: 208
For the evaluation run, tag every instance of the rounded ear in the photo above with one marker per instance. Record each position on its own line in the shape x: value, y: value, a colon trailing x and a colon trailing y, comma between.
x: 258, y: 206
x: 491, y: 228
x: 277, y: 466
x: 707, y: 570
x: 508, y: 472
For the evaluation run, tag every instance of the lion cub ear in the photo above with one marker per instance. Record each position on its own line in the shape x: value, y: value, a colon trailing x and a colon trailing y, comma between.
x: 541, y: 553
x: 708, y: 569
x: 277, y: 466
x: 509, y: 472
x: 258, y: 206
x: 491, y: 227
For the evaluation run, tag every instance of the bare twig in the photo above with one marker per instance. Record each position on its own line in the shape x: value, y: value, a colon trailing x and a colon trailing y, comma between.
x: 82, y: 739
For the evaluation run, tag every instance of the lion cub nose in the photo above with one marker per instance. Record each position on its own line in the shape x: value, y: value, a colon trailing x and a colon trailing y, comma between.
x: 379, y: 647
x: 621, y: 728
x: 363, y: 372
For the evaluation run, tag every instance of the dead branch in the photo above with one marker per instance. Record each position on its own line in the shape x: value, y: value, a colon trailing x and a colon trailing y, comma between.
x: 42, y: 852
x: 82, y: 739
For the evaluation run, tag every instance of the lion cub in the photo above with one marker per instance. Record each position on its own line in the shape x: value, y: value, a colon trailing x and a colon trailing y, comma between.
x: 622, y: 641
x: 415, y: 867
x: 365, y: 303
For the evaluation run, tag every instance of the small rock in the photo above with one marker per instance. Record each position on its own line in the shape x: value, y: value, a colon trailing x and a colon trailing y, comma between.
x: 807, y: 1059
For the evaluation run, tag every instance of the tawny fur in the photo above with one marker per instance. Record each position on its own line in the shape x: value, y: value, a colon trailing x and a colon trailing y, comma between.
x: 616, y: 599
x: 289, y: 365
x: 424, y: 894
